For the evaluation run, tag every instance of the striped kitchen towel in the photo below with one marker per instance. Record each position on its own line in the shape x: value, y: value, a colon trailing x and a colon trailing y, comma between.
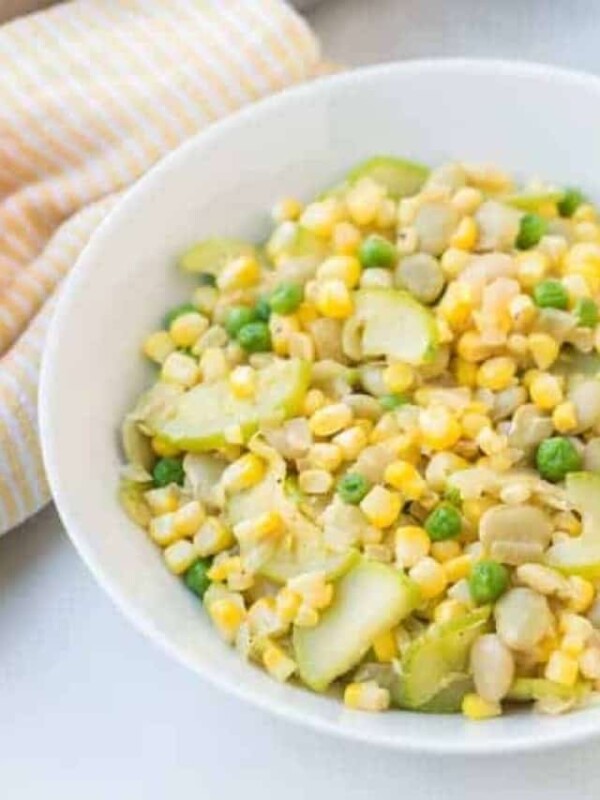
x: 92, y: 94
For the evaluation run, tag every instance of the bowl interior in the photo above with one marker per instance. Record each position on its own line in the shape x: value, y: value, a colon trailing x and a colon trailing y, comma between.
x: 533, y: 120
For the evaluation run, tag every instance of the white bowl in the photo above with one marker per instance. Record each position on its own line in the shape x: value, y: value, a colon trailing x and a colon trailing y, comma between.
x: 532, y: 119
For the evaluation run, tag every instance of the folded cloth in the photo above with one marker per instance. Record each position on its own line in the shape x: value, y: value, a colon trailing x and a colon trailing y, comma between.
x: 92, y: 94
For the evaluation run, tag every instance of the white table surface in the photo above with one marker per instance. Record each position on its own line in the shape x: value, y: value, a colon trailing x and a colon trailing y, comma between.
x: 89, y: 709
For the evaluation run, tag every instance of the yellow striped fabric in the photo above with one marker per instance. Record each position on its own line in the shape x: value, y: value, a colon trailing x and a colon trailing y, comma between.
x: 92, y: 93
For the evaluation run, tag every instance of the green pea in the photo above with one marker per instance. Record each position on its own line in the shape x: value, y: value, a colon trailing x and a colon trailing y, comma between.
x: 237, y: 317
x: 488, y: 581
x: 443, y: 523
x: 551, y: 294
x: 586, y: 312
x: 286, y: 298
x: 352, y: 488
x: 531, y: 230
x: 391, y: 401
x: 377, y: 251
x: 255, y: 337
x: 557, y: 456
x: 570, y: 202
x: 262, y: 309
x: 168, y: 470
x: 196, y: 577
x: 178, y: 311
x: 207, y: 279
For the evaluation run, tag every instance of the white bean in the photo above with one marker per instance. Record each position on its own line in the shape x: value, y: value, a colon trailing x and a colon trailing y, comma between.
x: 523, y: 618
x: 492, y: 667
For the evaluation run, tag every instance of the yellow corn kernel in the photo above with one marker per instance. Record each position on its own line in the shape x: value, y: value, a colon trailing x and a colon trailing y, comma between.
x: 476, y: 708
x: 213, y: 365
x: 288, y: 209
x: 315, y: 481
x: 162, y: 530
x: 320, y: 217
x: 277, y: 663
x: 457, y: 568
x: 325, y: 456
x: 186, y: 329
x: 385, y: 428
x: 313, y: 589
x: 363, y: 201
x: 188, y: 518
x: 471, y: 347
x: 240, y: 273
x: 497, y: 373
x: 301, y: 345
x: 385, y: 647
x: 589, y: 663
x: 287, y: 604
x: 314, y: 400
x: 585, y: 213
x: 381, y: 507
x: 227, y: 614
x: 532, y: 267
x: 242, y: 382
x: 517, y: 345
x: 465, y: 372
x: 576, y: 286
x: 346, y: 238
x: 453, y: 261
x: 446, y: 550
x: 439, y: 429
x: 179, y: 556
x: 473, y: 423
x: 343, y: 268
x: 247, y: 471
x: 282, y: 327
x: 212, y: 537
x: 444, y: 331
x: 490, y: 442
x: 181, y: 369
x: 580, y: 595
x: 163, y: 500
x: 223, y: 568
x: 488, y: 178
x: 266, y: 526
x: 398, y: 377
x: 564, y: 417
x: 467, y: 200
x: 465, y: 236
x: 473, y: 510
x: 562, y: 668
x: 402, y: 475
x: 163, y: 448
x: 567, y: 521
x: 158, y: 346
x: 306, y: 617
x: 205, y: 299
x: 544, y: 349
x: 546, y: 391
x: 263, y: 618
x: 351, y: 442
x: 449, y: 610
x: 306, y: 314
x: 456, y: 306
x: 583, y: 259
x: 430, y: 577
x: 411, y: 545
x: 572, y: 645
x: 367, y: 696
x: 330, y: 419
x: 523, y: 312
x: 575, y: 625
x: 334, y: 299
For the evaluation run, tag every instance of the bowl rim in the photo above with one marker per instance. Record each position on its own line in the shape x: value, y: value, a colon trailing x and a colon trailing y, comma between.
x: 582, y: 727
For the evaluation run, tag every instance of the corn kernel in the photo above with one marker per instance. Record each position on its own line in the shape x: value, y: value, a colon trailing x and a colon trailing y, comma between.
x: 439, y: 430
x: 402, y: 475
x: 163, y: 448
x: 363, y: 201
x: 583, y: 259
x: 546, y: 391
x: 314, y: 400
x: 367, y: 696
x: 381, y: 507
x: 223, y: 567
x: 240, y: 273
x: 457, y: 568
x: 471, y: 347
x: 585, y: 213
x: 267, y: 526
x: 243, y: 473
x: 587, y: 232
x: 465, y: 372
x: 287, y: 209
x: 351, y: 442
x: 467, y: 200
x: 212, y: 537
x: 490, y: 442
x: 449, y: 610
x: 430, y: 577
x: 488, y: 178
x: 281, y: 328
x: 227, y: 614
x: 162, y: 530
x: 325, y: 456
x: 567, y: 521
x: 242, y: 382
x: 163, y: 500
x: 544, y: 349
x: 576, y: 286
x: 473, y: 423
x: 398, y: 377
x: 186, y: 329
x: 320, y: 217
x: 287, y: 604
x: 385, y: 647
x: 179, y: 556
x: 476, y: 708
x: 330, y: 419
x: 562, y: 669
x: 532, y: 267
x: 315, y: 481
x: 158, y: 346
x: 263, y: 618
x: 572, y: 645
x: 564, y: 417
x: 306, y: 617
x: 334, y: 300
x: 445, y: 550
x: 497, y: 373
x: 205, y: 299
x: 453, y: 261
x: 344, y: 268
x: 188, y: 518
x: 456, y: 307
x: 589, y: 663
x: 300, y: 345
x: 465, y: 236
x: 411, y: 545
x: 307, y: 313
x: 181, y: 369
x: 346, y: 238
x: 213, y: 365
x: 277, y: 663
x: 522, y: 312
x: 580, y: 595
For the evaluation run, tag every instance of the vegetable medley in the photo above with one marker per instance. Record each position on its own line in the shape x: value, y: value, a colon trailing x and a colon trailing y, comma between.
x: 372, y: 447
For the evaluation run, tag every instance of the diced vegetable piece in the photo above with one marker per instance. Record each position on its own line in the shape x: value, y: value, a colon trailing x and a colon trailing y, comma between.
x: 401, y: 178
x: 168, y: 470
x: 447, y: 701
x: 432, y: 662
x: 136, y: 446
x: 211, y: 255
x: 573, y: 363
x: 531, y: 230
x: 131, y: 497
x: 201, y: 417
x: 368, y: 600
x: 286, y: 564
x: 570, y: 202
x: 526, y: 690
x: 556, y: 457
x: 298, y: 242
x: 581, y: 555
x: 533, y: 201
x: 395, y: 325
